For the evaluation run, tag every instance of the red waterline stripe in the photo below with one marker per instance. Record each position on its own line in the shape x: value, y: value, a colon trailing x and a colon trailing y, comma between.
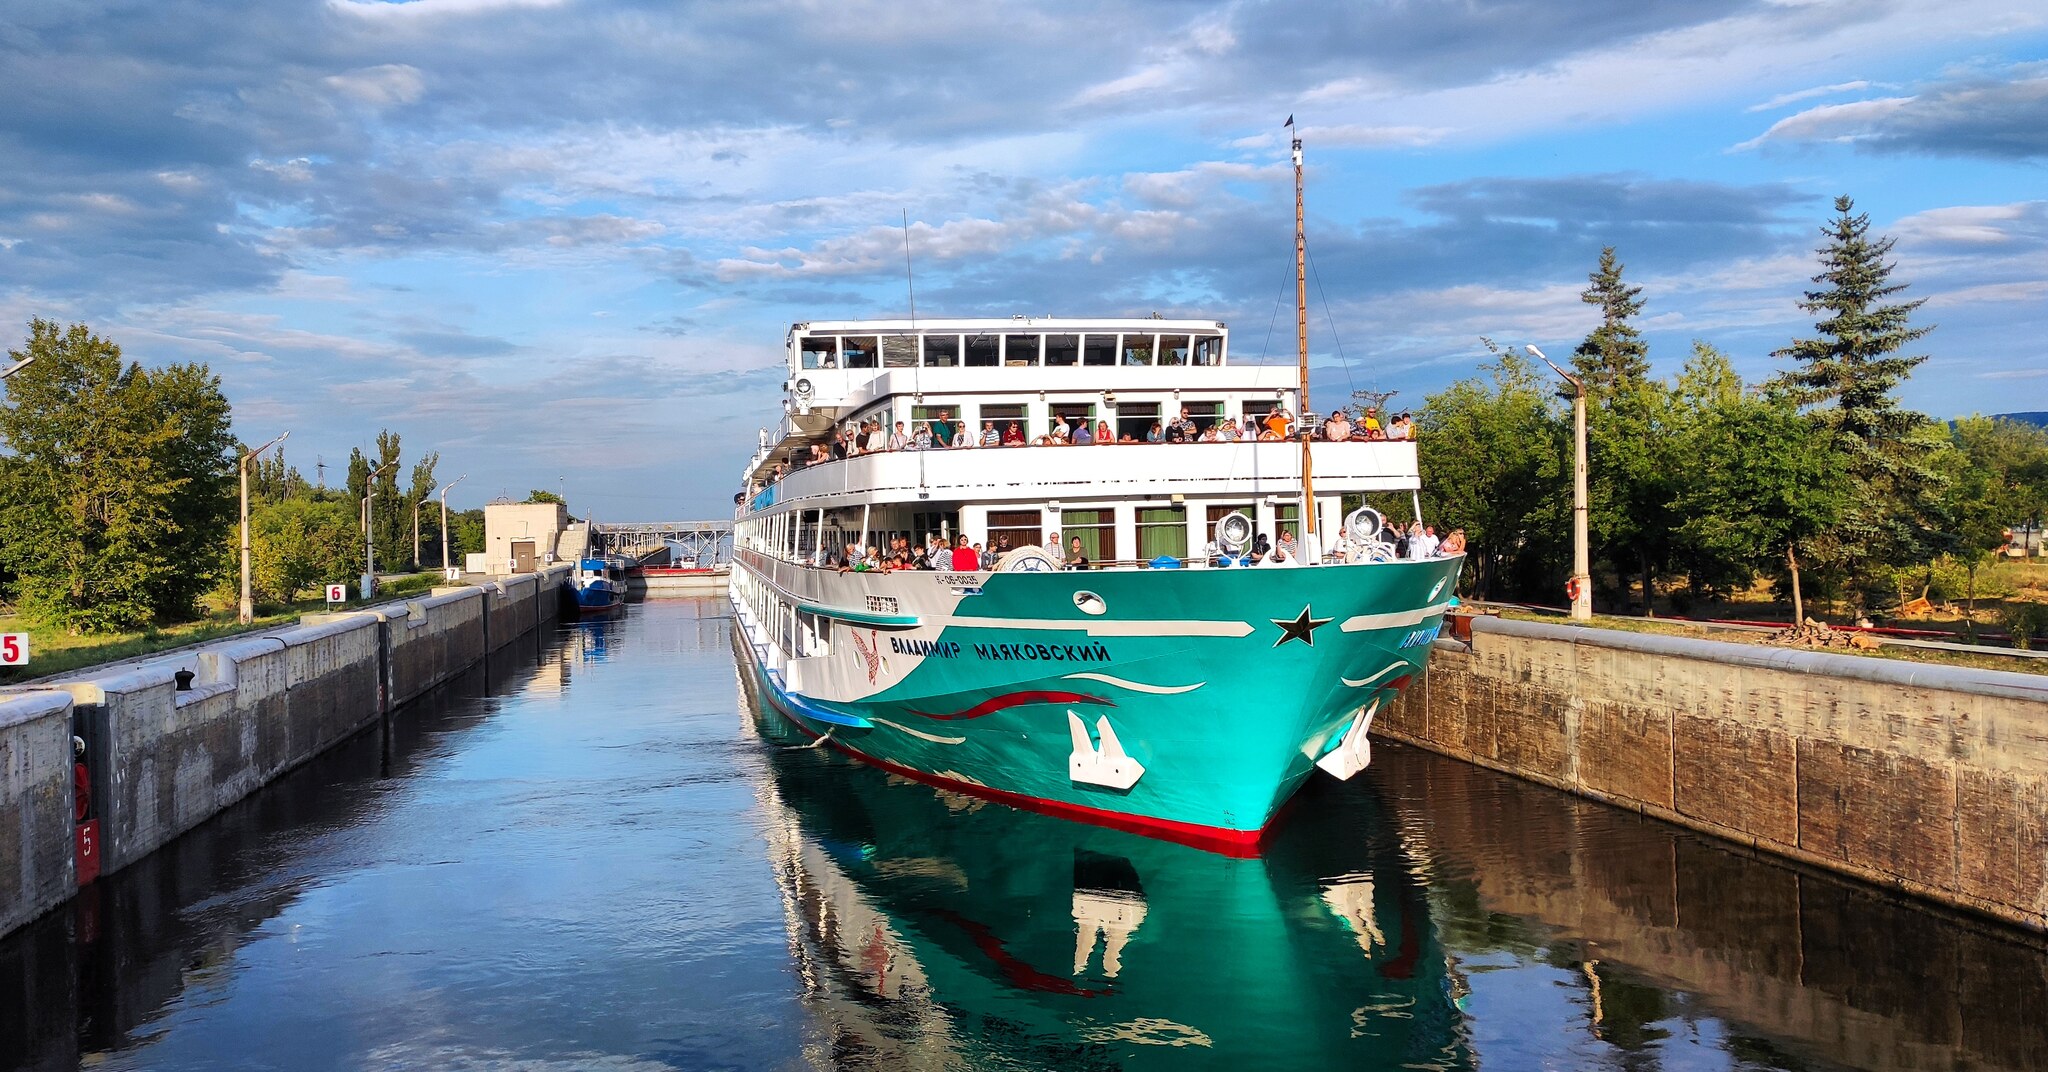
x: 1241, y: 844
x: 1016, y: 699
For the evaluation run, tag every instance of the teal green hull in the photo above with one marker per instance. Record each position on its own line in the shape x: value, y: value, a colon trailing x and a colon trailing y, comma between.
x: 1227, y: 719
x: 958, y: 935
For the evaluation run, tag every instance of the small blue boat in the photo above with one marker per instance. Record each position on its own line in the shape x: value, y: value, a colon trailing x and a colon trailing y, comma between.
x: 599, y: 586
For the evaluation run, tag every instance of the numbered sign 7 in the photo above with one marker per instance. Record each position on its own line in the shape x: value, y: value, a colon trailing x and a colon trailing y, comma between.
x: 13, y: 649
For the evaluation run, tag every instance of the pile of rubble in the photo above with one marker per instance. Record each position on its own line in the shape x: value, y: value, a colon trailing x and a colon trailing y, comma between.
x: 1817, y: 635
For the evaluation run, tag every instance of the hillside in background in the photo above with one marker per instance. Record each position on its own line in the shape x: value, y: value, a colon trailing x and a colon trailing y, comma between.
x: 2036, y: 417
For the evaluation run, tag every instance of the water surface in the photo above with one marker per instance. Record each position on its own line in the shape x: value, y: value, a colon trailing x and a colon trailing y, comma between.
x: 599, y: 853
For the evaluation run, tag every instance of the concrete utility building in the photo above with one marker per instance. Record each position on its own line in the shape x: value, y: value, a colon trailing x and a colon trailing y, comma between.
x: 524, y: 537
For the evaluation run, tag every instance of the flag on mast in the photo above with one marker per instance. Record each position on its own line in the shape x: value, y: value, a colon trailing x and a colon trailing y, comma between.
x: 1289, y: 123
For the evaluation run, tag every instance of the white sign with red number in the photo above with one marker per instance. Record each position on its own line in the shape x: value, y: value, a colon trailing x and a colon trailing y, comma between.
x: 13, y: 649
x: 337, y: 593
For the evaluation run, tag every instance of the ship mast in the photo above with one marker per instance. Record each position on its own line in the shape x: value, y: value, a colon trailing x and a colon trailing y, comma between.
x: 1308, y: 486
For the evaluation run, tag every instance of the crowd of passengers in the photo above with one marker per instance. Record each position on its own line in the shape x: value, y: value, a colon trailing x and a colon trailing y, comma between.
x: 941, y: 432
x: 1416, y: 541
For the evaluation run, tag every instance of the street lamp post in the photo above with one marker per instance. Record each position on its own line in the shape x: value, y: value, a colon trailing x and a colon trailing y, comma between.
x: 369, y: 536
x: 444, y: 516
x: 17, y: 366
x: 246, y: 610
x: 1582, y: 571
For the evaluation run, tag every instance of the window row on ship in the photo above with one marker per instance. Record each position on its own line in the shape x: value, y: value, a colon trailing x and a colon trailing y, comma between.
x: 1008, y: 349
x: 1132, y: 417
x: 1132, y: 533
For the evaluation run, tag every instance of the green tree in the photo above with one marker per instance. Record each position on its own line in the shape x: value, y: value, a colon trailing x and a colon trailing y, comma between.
x: 428, y: 521
x: 301, y: 543
x: 272, y: 479
x: 390, y: 512
x: 1493, y: 457
x: 1763, y: 484
x: 1846, y: 376
x: 1998, y: 478
x: 465, y: 533
x: 119, y: 485
x: 1614, y: 354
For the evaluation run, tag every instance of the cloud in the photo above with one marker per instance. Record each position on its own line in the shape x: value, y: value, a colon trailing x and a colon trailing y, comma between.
x: 1797, y: 95
x: 2001, y: 115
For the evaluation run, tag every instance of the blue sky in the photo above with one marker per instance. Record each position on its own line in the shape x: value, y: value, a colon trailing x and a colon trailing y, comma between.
x: 560, y: 240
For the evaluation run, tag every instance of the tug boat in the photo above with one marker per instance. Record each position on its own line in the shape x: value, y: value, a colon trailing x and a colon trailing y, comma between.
x: 1170, y: 688
x: 599, y: 586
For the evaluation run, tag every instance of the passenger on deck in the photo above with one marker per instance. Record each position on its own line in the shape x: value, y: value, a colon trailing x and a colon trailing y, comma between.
x: 1155, y: 434
x: 1369, y: 424
x: 900, y: 440
x: 1052, y: 544
x: 1182, y: 430
x: 1077, y: 559
x: 1103, y: 433
x: 1082, y: 436
x: 989, y: 436
x: 1013, y: 436
x: 941, y: 429
x: 923, y: 439
x: 1285, y: 551
x: 964, y: 558
x: 1338, y: 428
x: 1454, y: 544
x: 1227, y: 431
x: 1280, y: 422
x: 1403, y: 428
x: 1058, y: 435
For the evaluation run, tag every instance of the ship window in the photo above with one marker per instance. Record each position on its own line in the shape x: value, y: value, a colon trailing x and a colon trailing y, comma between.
x: 999, y: 418
x: 1072, y: 412
x: 1203, y: 414
x: 982, y: 350
x: 1020, y: 349
x: 1097, y: 530
x: 921, y: 416
x: 1063, y: 349
x: 1099, y: 350
x: 1173, y: 349
x: 820, y: 352
x: 1255, y: 416
x: 1138, y: 349
x: 1162, y: 530
x: 899, y: 351
x: 926, y: 524
x: 1135, y: 419
x: 942, y: 351
x: 1208, y: 349
x: 1011, y: 529
x: 859, y: 351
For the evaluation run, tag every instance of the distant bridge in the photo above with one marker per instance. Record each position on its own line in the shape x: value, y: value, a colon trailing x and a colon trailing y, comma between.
x: 681, y: 542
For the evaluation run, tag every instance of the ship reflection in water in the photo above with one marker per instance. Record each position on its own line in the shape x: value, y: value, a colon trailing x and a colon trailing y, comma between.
x: 594, y: 856
x: 1432, y: 915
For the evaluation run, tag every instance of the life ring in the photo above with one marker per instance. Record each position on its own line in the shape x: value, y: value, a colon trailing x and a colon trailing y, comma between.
x: 1571, y: 589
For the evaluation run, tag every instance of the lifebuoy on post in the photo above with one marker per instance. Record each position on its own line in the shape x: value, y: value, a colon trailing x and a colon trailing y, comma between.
x: 1571, y: 590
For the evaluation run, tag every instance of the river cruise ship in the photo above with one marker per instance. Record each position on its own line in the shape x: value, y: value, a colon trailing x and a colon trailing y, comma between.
x: 1170, y: 687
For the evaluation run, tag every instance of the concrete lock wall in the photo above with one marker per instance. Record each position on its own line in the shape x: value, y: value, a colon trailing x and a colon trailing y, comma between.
x: 1925, y: 778
x: 165, y: 761
x: 35, y: 805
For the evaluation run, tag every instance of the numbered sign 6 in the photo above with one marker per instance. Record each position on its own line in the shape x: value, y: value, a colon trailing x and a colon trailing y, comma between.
x: 337, y: 593
x: 13, y: 649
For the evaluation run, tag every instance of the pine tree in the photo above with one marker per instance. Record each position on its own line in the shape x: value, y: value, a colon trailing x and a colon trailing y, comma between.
x: 1845, y: 377
x: 1614, y: 355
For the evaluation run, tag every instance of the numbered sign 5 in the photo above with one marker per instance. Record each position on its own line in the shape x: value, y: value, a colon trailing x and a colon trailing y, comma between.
x: 13, y: 649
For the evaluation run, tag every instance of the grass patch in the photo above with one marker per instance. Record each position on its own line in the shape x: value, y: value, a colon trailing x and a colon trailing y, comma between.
x: 1663, y: 627
x: 53, y: 651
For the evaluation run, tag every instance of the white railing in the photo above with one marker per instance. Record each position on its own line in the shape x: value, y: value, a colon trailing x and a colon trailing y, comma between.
x: 1125, y: 470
